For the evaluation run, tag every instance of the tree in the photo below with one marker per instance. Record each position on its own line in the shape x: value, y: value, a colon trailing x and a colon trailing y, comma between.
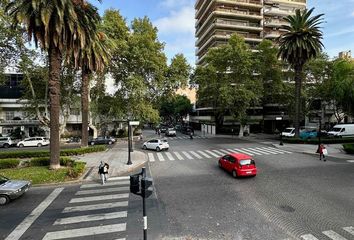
x: 300, y: 43
x: 182, y: 107
x: 55, y: 25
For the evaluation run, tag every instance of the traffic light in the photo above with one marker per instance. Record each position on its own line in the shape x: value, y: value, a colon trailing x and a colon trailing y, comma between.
x: 146, y: 187
x: 134, y: 184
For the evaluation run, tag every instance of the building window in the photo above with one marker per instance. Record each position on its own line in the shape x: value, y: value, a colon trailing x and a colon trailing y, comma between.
x: 10, y: 115
x: 75, y: 111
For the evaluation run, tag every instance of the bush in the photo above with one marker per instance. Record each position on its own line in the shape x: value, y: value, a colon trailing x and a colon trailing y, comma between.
x: 45, y: 153
x: 45, y: 161
x: 77, y: 169
x: 122, y: 133
x: 9, y: 163
x: 349, y: 148
x: 315, y: 140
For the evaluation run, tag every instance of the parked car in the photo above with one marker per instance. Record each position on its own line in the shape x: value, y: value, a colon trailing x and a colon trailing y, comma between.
x: 74, y: 140
x: 307, y: 134
x: 101, y: 140
x: 110, y: 138
x: 6, y: 142
x: 12, y: 189
x: 342, y: 130
x: 238, y: 164
x: 156, y: 144
x: 178, y: 127
x: 33, y: 142
x: 163, y: 128
x: 288, y: 132
x: 171, y: 132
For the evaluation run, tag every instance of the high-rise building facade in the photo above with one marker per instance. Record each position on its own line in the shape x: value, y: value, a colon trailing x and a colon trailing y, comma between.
x: 255, y: 20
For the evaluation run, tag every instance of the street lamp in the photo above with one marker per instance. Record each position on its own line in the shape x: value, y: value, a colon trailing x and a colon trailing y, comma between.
x: 281, y: 129
x: 129, y: 145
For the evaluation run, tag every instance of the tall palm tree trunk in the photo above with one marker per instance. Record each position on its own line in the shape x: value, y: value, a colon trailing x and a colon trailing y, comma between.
x: 84, y: 106
x: 298, y: 84
x: 55, y: 59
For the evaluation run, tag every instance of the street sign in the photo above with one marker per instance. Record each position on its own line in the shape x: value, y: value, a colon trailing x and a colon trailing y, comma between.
x: 133, y: 123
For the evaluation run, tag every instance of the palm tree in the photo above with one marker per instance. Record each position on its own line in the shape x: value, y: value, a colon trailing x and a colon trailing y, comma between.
x: 55, y: 25
x: 300, y: 43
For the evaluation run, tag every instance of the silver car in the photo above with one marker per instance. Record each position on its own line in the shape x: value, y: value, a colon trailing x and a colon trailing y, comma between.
x: 11, y: 189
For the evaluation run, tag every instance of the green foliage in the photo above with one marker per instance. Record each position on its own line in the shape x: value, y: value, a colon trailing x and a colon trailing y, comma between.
x: 349, y: 148
x: 315, y: 140
x: 9, y: 163
x: 175, y: 108
x: 76, y: 170
x: 45, y: 161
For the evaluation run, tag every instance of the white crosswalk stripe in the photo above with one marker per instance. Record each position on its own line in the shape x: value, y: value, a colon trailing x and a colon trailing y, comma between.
x: 170, y: 157
x: 187, y: 155
x: 224, y: 151
x: 274, y: 150
x: 308, y: 237
x: 105, y: 190
x: 151, y: 157
x: 333, y: 235
x: 110, y: 183
x: 100, y: 206
x: 349, y: 230
x: 250, y: 151
x: 268, y: 151
x: 259, y: 151
x: 195, y: 154
x: 118, y: 178
x: 178, y: 156
x: 160, y: 157
x: 91, y: 217
x: 99, y: 198
x: 242, y: 151
x: 204, y: 154
x: 220, y: 154
x: 211, y: 153
x: 231, y: 151
x: 278, y: 150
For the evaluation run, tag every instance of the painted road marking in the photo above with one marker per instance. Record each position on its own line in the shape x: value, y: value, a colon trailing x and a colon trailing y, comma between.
x: 119, y: 178
x: 224, y: 151
x: 170, y: 156
x: 250, y: 151
x: 278, y: 149
x: 308, y: 237
x: 195, y: 154
x: 258, y: 151
x: 351, y: 161
x: 100, y: 198
x: 27, y: 222
x: 211, y: 153
x: 204, y: 154
x: 333, y: 235
x: 102, y: 190
x: 96, y: 185
x: 82, y: 232
x: 95, y: 207
x: 187, y: 155
x: 269, y: 151
x: 349, y: 230
x: 273, y: 150
x: 151, y: 157
x: 220, y: 154
x: 178, y: 156
x: 231, y: 151
x: 91, y: 217
x: 242, y: 151
x: 160, y: 157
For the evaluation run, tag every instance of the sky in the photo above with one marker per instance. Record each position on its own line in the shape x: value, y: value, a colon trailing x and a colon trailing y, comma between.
x: 175, y: 22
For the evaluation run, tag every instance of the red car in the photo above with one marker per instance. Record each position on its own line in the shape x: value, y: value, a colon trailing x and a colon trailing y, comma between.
x: 238, y: 164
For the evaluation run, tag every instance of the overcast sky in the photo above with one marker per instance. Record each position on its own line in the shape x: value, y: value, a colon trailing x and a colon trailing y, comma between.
x: 175, y: 21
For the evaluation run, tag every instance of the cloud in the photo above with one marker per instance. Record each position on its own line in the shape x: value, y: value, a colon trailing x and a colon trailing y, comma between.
x: 352, y: 14
x: 176, y: 3
x: 181, y: 21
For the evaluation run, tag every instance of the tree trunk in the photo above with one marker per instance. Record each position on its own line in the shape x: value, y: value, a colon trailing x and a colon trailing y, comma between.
x: 298, y: 85
x: 84, y: 106
x: 54, y: 96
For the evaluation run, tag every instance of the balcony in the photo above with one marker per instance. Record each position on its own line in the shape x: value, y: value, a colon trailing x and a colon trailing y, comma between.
x: 19, y: 122
x: 292, y: 2
x: 274, y: 11
x: 274, y: 23
x: 238, y: 13
x: 272, y: 34
x: 237, y: 24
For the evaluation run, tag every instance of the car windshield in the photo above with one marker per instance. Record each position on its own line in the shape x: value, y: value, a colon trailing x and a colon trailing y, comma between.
x: 288, y: 130
x: 336, y: 129
x: 165, y: 141
x: 3, y: 179
x: 246, y: 162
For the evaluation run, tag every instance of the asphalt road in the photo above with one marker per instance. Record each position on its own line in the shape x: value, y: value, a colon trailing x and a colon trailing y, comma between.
x: 294, y: 196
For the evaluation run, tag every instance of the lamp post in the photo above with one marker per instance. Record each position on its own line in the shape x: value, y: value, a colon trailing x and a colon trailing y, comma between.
x: 319, y: 135
x: 281, y: 129
x: 129, y: 145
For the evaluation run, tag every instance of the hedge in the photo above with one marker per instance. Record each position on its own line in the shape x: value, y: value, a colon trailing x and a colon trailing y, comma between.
x: 45, y: 161
x: 77, y: 169
x: 315, y: 140
x: 45, y: 153
x: 349, y: 148
x: 9, y: 163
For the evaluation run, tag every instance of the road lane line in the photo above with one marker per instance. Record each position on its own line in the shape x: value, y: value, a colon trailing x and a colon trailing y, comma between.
x: 102, y: 190
x: 250, y: 151
x: 308, y: 237
x: 349, y: 230
x: 82, y: 232
x: 95, y: 207
x: 27, y: 222
x: 278, y: 149
x: 274, y: 150
x: 170, y: 157
x: 151, y: 157
x: 224, y: 151
x: 178, y: 156
x: 91, y: 217
x: 212, y: 154
x: 269, y: 151
x: 118, y: 178
x: 220, y: 154
x: 195, y: 154
x: 333, y: 235
x: 259, y: 151
x: 160, y: 157
x: 187, y: 155
x: 350, y: 161
x: 96, y: 185
x: 204, y: 154
x: 231, y: 151
x: 99, y: 198
x: 241, y: 151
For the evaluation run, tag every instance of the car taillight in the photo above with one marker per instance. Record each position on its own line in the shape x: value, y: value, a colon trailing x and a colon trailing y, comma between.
x: 240, y: 166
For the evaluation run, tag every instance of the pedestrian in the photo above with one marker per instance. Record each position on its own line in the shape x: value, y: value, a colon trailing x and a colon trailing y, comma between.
x: 191, y: 135
x: 159, y: 132
x: 101, y: 172
x: 323, y: 152
x: 105, y: 171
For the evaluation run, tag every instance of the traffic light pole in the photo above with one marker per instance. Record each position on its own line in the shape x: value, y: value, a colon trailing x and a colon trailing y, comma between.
x: 144, y: 207
x: 129, y: 144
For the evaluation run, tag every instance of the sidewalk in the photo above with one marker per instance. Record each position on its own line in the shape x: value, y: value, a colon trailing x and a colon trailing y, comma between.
x: 116, y: 157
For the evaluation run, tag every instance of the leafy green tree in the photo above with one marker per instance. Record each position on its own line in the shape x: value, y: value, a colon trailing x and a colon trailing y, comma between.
x: 300, y: 43
x: 55, y: 25
x: 182, y: 107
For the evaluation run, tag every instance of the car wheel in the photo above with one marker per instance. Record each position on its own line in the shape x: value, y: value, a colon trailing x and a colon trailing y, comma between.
x: 166, y: 149
x: 4, y: 199
x: 6, y: 145
x: 92, y: 143
x: 234, y: 173
x: 144, y: 147
x: 39, y: 145
x: 110, y: 143
x: 158, y: 149
x: 21, y: 145
x: 220, y: 166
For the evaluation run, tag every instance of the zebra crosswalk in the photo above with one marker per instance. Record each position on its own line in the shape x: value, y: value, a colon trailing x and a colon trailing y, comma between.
x: 92, y: 205
x: 346, y: 233
x: 213, y: 153
x: 184, y: 137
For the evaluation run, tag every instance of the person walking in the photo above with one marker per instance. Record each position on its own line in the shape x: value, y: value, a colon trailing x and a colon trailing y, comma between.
x: 105, y: 171
x: 101, y: 172
x: 191, y: 135
x: 323, y: 152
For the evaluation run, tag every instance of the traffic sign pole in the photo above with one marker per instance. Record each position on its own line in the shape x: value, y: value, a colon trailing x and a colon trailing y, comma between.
x: 144, y: 207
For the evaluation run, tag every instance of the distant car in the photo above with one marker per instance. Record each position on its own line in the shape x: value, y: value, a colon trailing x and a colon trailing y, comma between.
x: 171, y: 132
x: 187, y: 130
x: 33, y: 142
x: 110, y: 138
x: 156, y: 144
x: 308, y: 134
x: 288, y: 132
x: 74, y: 140
x: 163, y: 128
x: 238, y: 164
x: 178, y: 127
x: 12, y: 189
x: 101, y: 140
x: 6, y: 142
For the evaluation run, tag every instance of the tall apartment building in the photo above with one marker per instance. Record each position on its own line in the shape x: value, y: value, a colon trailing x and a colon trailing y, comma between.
x: 217, y: 20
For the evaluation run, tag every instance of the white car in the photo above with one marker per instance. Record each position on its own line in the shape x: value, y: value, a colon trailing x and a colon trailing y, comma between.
x: 288, y: 132
x: 171, y: 132
x: 156, y: 144
x: 33, y: 142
